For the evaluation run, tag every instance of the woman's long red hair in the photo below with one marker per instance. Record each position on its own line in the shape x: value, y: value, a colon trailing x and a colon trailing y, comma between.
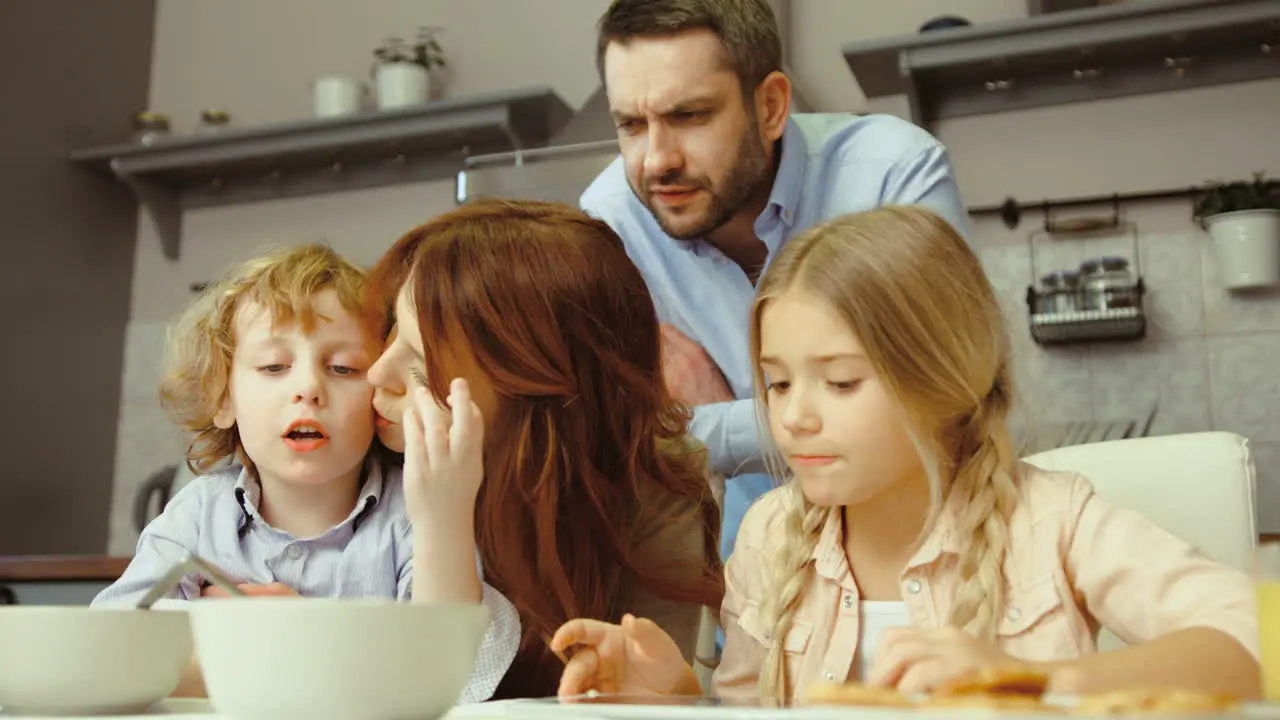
x: 544, y: 302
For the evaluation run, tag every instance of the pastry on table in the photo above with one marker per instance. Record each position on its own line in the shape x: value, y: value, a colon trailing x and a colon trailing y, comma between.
x: 1015, y: 680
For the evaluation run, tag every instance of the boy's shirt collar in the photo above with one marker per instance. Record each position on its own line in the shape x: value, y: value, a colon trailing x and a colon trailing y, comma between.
x: 249, y: 495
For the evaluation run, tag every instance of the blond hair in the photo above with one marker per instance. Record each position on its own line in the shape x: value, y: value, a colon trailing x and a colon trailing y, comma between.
x: 916, y: 297
x: 201, y: 344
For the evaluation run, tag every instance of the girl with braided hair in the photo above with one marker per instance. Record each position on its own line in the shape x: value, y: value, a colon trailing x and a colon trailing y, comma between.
x: 907, y: 544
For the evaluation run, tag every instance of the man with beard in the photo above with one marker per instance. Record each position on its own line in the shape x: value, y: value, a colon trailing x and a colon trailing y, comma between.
x: 715, y: 174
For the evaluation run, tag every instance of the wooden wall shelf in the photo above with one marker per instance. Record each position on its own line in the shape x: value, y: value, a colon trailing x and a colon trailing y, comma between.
x: 324, y: 155
x: 1072, y: 56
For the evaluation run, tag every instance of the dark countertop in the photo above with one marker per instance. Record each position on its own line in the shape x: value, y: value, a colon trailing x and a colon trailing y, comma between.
x: 61, y: 568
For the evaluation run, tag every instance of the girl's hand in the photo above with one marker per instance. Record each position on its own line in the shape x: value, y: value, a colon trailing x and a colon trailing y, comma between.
x: 252, y: 589
x: 443, y: 455
x: 916, y: 660
x: 636, y: 657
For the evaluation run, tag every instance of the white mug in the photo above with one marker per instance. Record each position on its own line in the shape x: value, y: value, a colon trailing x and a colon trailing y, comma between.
x: 335, y: 95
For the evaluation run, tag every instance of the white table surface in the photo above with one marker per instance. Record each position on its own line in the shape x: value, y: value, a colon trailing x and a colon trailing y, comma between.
x: 174, y: 708
x: 187, y: 709
x: 533, y: 710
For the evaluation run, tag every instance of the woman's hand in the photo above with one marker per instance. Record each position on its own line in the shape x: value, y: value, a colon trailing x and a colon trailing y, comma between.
x: 636, y: 657
x: 916, y: 660
x: 443, y: 455
x: 443, y: 469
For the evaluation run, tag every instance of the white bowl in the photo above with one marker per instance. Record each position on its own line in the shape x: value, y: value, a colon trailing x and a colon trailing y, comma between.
x: 346, y: 659
x: 64, y: 660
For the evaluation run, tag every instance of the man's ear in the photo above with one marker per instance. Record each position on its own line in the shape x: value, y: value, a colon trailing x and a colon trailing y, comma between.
x: 773, y: 105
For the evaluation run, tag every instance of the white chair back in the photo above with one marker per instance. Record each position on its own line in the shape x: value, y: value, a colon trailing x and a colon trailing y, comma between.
x: 1198, y: 486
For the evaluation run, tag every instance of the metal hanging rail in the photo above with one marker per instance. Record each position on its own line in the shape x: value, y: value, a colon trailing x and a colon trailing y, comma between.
x: 1010, y: 211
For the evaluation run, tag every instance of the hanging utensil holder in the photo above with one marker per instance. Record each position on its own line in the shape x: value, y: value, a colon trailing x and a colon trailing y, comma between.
x: 1101, y: 301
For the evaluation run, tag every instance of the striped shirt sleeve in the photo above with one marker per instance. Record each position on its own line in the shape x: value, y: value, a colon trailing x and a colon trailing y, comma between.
x: 163, y: 543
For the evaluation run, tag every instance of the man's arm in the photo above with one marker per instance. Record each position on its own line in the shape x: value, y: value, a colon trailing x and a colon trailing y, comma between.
x: 725, y: 425
x: 732, y: 436
x: 926, y: 178
x: 726, y: 428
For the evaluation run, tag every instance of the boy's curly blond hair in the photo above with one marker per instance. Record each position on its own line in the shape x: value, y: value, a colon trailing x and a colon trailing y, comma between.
x: 201, y: 343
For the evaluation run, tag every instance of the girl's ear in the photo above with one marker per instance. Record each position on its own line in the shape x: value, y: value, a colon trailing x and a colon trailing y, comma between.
x: 225, y: 418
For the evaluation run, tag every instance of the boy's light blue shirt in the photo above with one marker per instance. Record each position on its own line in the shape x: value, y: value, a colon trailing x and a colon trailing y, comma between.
x: 368, y: 554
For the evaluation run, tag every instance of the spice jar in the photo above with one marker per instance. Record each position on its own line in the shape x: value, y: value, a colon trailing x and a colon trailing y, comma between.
x: 1108, y: 283
x: 149, y: 127
x: 1058, y: 292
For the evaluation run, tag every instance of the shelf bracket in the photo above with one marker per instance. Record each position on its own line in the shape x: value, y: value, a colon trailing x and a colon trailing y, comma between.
x: 914, y: 101
x: 161, y: 205
x: 517, y: 145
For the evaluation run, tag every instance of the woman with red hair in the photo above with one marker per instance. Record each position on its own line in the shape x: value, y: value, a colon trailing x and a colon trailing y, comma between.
x: 594, y: 502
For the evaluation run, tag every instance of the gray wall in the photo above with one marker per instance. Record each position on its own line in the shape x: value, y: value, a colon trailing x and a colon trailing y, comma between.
x: 71, y: 73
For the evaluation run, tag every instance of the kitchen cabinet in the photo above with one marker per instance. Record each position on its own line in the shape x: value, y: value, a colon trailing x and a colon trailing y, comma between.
x: 1111, y: 51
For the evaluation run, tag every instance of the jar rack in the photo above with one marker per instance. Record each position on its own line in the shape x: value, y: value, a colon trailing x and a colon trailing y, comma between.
x: 1103, y: 302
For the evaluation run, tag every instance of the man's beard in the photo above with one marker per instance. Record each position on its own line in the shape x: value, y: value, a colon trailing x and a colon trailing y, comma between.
x: 749, y: 172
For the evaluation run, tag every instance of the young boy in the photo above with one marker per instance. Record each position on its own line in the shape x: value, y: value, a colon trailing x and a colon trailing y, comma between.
x: 267, y: 371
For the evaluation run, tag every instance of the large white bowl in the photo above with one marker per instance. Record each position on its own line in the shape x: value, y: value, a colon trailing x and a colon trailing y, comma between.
x: 65, y: 660
x: 345, y: 659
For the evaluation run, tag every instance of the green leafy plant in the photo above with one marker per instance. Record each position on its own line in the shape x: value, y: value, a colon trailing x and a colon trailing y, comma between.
x: 425, y: 51
x: 1219, y: 198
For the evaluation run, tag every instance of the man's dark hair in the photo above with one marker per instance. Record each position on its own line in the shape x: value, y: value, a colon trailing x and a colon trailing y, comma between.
x: 747, y: 30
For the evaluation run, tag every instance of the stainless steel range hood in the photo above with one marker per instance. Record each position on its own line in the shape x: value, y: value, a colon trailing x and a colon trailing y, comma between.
x: 563, y: 169
x: 558, y: 172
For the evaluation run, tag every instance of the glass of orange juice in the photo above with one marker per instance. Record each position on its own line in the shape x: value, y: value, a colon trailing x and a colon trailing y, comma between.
x: 1267, y: 579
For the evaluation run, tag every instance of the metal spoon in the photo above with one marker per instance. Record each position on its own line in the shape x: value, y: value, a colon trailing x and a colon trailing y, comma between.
x: 189, y: 564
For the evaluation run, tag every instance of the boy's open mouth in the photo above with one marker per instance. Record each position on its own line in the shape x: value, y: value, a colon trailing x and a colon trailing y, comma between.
x: 305, y: 436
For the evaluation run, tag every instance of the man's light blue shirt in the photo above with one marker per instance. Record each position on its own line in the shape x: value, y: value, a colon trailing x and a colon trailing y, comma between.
x: 831, y: 165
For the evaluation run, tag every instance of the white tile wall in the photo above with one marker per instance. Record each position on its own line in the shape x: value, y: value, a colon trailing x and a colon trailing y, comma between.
x: 1168, y: 374
x: 1246, y: 385
x: 1266, y: 458
x: 1208, y: 361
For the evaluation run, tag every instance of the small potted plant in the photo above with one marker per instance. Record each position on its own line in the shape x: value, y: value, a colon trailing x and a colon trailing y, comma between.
x: 1243, y: 221
x: 402, y: 70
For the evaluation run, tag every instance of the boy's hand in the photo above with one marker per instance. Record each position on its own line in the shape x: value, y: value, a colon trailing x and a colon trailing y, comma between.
x: 443, y: 455
x: 636, y: 657
x: 252, y: 590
